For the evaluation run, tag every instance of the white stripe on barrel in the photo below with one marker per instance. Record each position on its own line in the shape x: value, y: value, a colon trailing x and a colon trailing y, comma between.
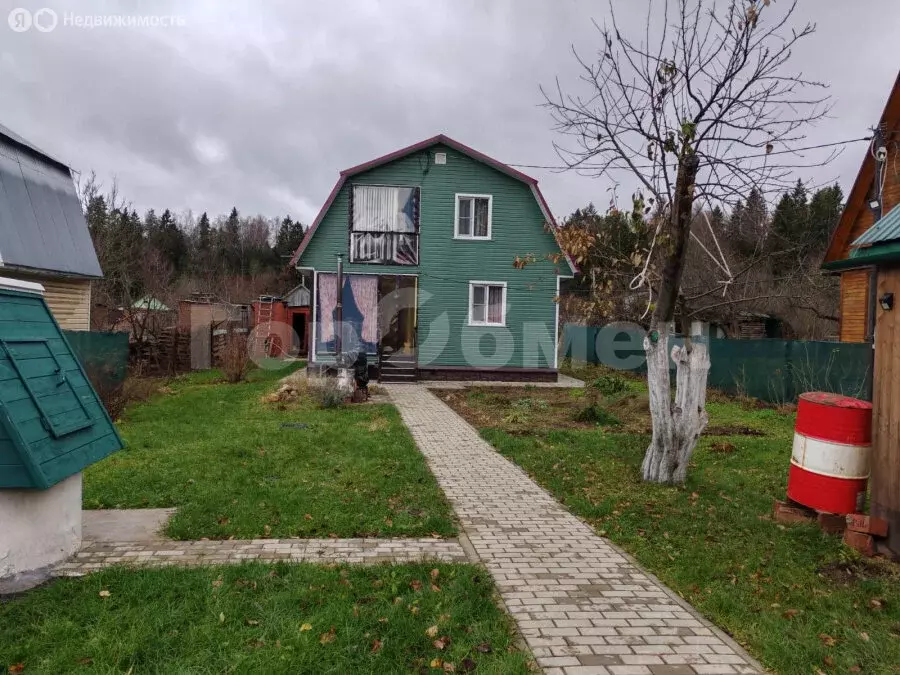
x: 831, y: 459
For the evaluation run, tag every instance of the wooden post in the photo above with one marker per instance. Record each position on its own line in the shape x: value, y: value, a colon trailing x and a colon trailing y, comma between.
x: 885, y: 468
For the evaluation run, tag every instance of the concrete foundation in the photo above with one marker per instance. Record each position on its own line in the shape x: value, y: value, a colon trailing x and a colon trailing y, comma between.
x: 39, y: 528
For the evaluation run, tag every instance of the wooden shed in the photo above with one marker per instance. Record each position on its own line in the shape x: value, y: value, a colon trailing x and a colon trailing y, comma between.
x: 865, y: 251
x: 44, y: 237
x: 860, y: 213
x: 52, y: 424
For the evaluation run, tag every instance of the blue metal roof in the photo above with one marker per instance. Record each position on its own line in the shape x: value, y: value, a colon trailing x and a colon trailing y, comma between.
x: 884, y: 231
x: 42, y: 227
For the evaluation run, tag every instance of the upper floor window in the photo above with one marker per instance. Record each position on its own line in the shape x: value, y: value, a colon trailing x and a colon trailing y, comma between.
x: 384, y: 225
x: 473, y: 216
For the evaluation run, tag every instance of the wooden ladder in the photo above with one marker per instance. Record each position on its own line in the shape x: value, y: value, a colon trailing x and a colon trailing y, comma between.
x: 264, y: 320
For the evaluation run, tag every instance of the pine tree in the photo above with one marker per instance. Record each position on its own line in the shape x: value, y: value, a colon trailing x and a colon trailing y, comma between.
x: 824, y: 213
x: 790, y: 223
x: 229, y: 253
x: 747, y: 227
x: 204, y: 238
x: 290, y: 234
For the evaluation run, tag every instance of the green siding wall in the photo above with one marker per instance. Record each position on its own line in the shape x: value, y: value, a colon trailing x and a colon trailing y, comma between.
x: 446, y: 265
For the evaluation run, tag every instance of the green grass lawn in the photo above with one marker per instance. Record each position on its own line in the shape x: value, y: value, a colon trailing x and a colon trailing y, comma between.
x: 261, y: 619
x: 222, y: 457
x: 796, y: 598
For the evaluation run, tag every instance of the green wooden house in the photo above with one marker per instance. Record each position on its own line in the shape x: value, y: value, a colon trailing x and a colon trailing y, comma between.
x: 429, y: 238
x: 52, y: 424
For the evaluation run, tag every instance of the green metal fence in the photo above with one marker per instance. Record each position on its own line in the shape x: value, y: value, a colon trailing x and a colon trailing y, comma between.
x: 771, y: 370
x: 104, y: 356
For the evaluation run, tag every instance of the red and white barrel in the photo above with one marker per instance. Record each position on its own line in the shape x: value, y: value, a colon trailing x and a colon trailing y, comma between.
x: 832, y: 449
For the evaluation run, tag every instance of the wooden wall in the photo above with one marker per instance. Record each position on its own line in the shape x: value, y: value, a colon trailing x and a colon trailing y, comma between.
x: 853, y: 313
x: 854, y: 305
x: 69, y: 298
x: 885, y: 492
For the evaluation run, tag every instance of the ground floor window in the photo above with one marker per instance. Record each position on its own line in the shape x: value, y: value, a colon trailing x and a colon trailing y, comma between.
x: 487, y: 303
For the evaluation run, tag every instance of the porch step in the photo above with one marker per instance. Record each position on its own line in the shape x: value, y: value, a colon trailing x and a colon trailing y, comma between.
x: 398, y: 370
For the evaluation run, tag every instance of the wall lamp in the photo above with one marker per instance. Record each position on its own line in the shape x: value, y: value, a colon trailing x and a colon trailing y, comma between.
x: 887, y: 302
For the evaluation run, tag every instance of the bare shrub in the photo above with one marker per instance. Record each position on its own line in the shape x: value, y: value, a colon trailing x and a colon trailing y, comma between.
x: 117, y: 396
x: 326, y: 392
x: 235, y: 357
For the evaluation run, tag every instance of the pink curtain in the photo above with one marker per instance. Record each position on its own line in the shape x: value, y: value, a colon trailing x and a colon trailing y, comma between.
x: 365, y: 291
x: 327, y: 289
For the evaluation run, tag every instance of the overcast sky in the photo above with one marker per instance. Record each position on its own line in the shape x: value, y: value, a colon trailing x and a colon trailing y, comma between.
x: 260, y: 104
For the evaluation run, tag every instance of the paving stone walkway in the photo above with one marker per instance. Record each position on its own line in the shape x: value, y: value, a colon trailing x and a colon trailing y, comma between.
x: 97, y: 554
x: 582, y: 605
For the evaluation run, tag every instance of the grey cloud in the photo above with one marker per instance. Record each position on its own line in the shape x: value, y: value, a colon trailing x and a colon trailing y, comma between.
x: 295, y: 91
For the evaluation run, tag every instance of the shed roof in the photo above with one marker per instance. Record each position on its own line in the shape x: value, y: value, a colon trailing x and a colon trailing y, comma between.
x: 42, y: 228
x: 886, y: 230
x: 422, y: 145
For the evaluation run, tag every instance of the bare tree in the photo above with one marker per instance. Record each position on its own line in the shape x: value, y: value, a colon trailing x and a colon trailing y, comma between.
x: 698, y: 109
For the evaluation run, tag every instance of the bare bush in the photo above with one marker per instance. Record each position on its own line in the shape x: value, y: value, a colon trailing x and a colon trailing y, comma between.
x: 235, y: 357
x: 117, y: 396
x: 326, y: 392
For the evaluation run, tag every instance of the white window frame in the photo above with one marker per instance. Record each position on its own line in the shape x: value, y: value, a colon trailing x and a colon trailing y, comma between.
x: 472, y: 285
x: 473, y: 196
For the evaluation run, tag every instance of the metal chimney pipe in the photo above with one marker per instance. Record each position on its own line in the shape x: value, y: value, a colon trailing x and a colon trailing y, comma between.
x: 339, y: 309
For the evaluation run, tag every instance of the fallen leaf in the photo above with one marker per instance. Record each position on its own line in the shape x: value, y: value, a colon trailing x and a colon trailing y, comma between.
x: 222, y: 520
x: 436, y: 663
x: 267, y: 530
x: 382, y: 619
x: 104, y: 594
x: 251, y: 622
x: 16, y: 668
x: 449, y: 667
x: 435, y: 573
x: 467, y: 665
x: 221, y: 617
x: 484, y: 648
x: 864, y: 637
x: 414, y: 609
x: 376, y: 645
x: 827, y: 640
x: 435, y: 588
x: 441, y: 642
x: 217, y: 582
x: 790, y: 613
x: 325, y: 638
x: 308, y: 516
x: 432, y: 631
x: 305, y: 627
x: 876, y: 603
x: 86, y: 661
x: 855, y: 669
x: 416, y: 585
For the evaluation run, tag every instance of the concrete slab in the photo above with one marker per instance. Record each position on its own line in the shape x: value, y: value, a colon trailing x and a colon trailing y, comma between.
x: 130, y: 525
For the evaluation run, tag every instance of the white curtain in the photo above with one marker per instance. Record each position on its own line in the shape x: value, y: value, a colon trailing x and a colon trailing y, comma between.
x: 365, y: 293
x: 377, y: 208
x: 326, y: 286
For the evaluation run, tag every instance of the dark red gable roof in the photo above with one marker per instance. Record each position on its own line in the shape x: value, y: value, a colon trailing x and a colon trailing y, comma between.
x: 415, y: 147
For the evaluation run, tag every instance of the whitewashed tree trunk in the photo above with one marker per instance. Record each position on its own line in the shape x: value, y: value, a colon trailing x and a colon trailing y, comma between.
x: 677, y: 424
